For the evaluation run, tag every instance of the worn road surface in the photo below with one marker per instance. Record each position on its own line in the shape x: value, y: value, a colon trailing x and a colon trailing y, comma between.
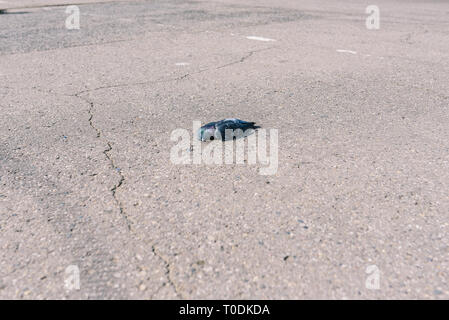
x: 86, y: 181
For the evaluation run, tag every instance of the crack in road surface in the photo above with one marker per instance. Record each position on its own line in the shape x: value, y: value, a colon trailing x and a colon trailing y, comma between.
x: 167, y: 273
x: 123, y: 213
x: 106, y: 152
x: 241, y: 60
x: 118, y: 185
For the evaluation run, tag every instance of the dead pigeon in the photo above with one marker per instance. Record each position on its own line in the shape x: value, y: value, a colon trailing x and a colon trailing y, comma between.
x: 217, y: 130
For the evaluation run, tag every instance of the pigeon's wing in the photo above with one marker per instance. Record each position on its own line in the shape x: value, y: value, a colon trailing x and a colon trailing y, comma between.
x: 210, y: 125
x: 233, y: 124
x: 235, y: 120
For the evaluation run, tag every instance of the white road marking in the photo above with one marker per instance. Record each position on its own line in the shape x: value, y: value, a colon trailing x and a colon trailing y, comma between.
x: 259, y: 38
x: 182, y: 64
x: 346, y: 51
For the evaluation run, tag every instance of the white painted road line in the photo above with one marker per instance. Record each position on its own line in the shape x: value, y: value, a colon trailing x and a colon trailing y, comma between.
x: 259, y: 38
x: 346, y: 51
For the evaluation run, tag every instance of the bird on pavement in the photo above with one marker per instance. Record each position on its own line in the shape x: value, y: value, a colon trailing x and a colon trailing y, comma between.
x: 218, y: 129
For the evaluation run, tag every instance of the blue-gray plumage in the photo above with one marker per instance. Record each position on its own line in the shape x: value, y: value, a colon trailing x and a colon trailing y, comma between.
x: 219, y: 129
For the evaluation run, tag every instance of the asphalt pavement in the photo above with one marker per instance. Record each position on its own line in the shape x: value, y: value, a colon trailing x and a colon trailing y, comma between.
x: 357, y: 208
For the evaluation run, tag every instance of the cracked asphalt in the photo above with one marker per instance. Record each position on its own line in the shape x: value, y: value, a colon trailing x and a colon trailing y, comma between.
x: 85, y: 171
